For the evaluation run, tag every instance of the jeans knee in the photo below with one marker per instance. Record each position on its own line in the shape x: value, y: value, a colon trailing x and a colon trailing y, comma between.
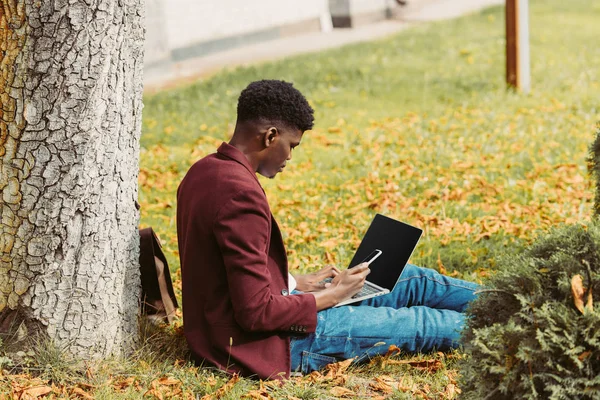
x: 410, y: 271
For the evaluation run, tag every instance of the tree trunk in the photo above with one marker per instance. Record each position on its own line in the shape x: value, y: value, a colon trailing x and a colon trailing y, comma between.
x: 70, y: 122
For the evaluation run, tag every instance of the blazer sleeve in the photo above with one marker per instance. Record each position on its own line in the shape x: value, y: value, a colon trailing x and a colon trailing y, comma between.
x: 242, y: 229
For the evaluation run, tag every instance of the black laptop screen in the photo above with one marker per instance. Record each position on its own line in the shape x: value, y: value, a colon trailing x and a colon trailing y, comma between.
x: 396, y: 240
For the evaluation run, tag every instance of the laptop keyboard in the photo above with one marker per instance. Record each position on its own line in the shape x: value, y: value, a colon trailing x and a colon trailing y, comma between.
x: 366, y: 290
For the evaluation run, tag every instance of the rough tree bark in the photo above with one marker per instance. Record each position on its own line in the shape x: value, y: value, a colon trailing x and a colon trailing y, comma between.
x: 70, y: 121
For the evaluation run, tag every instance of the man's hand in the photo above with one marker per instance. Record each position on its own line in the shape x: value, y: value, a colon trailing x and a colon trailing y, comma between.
x: 346, y: 284
x: 315, y: 282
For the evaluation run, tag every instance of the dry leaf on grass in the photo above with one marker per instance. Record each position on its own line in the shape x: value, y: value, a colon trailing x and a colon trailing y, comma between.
x: 261, y: 393
x: 338, y: 368
x: 334, y: 373
x: 257, y: 395
x: 34, y: 392
x: 340, y: 391
x: 431, y: 365
x: 393, y: 350
x: 381, y: 386
x: 223, y: 389
x: 211, y: 380
x: 155, y: 393
x: 75, y: 391
x: 122, y: 384
x: 387, y: 384
x: 423, y: 365
x: 166, y: 381
x: 165, y: 387
x: 451, y: 391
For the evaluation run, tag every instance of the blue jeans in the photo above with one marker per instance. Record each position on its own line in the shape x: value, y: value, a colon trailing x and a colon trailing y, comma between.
x: 424, y: 312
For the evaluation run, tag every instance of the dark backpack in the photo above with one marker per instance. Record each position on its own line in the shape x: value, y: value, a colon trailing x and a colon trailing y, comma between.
x: 158, y: 297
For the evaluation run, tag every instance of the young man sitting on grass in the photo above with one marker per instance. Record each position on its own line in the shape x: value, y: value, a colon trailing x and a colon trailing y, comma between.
x: 242, y: 311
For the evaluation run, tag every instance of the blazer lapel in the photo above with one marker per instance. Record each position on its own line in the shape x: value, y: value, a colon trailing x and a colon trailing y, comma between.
x: 279, y: 248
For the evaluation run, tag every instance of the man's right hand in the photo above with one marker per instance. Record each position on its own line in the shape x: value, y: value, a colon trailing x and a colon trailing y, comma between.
x: 346, y: 284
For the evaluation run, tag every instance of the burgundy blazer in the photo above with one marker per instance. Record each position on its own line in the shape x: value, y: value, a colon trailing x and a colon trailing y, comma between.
x: 237, y: 311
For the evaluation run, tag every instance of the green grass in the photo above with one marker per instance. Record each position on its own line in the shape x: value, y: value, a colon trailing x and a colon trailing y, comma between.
x: 429, y: 98
x: 418, y: 126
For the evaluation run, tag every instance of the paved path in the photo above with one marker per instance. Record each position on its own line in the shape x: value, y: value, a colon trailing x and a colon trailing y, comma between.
x: 416, y: 11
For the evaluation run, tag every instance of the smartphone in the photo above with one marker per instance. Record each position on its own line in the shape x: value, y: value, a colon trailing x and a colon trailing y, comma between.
x: 373, y: 256
x: 370, y: 258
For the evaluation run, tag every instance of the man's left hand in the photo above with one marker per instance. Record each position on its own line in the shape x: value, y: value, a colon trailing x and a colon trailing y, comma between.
x: 315, y: 281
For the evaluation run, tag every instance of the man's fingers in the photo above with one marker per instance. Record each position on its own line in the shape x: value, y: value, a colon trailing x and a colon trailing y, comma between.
x: 359, y: 268
x: 331, y: 270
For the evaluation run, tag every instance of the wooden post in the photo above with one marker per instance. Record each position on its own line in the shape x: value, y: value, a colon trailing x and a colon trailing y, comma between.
x: 517, y: 44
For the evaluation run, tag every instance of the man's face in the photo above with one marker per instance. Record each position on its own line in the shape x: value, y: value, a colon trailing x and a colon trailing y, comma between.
x: 279, y: 143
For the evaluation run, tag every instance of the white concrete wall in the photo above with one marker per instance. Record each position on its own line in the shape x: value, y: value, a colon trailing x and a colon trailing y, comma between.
x: 366, y: 6
x: 194, y: 21
x: 353, y: 7
x: 155, y: 44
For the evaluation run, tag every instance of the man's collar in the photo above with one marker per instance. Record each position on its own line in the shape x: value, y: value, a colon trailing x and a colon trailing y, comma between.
x: 232, y: 152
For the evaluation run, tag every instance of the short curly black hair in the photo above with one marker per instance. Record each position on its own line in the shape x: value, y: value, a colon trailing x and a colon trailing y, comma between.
x: 275, y: 100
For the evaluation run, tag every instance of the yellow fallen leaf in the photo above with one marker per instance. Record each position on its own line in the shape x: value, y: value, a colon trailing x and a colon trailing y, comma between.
x: 340, y: 391
x: 424, y: 365
x: 338, y: 368
x: 81, y: 393
x: 451, y: 391
x: 154, y: 392
x: 257, y: 395
x: 381, y: 386
x: 167, y: 381
x: 35, y: 392
x: 223, y: 389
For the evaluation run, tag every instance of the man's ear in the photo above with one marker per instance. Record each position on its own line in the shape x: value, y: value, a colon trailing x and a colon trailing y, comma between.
x: 270, y: 135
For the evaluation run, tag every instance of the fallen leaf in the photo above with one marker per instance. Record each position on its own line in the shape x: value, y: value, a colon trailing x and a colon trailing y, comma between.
x: 261, y: 393
x: 338, y: 368
x: 257, y: 395
x: 451, y: 391
x: 154, y: 392
x: 393, y: 350
x: 167, y: 381
x: 35, y: 392
x: 339, y: 391
x: 441, y: 267
x: 81, y: 393
x: 428, y: 365
x: 387, y: 384
x: 578, y: 292
x: 124, y: 383
x: 211, y: 380
x: 584, y: 355
x: 223, y: 389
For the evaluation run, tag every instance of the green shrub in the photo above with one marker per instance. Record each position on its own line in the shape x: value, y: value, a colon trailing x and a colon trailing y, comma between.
x: 594, y: 167
x: 525, y: 339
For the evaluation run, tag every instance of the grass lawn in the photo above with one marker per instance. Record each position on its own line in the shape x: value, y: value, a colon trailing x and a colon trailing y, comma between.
x: 418, y: 126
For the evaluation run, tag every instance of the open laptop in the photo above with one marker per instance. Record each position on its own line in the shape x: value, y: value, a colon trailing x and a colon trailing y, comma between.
x: 396, y: 240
